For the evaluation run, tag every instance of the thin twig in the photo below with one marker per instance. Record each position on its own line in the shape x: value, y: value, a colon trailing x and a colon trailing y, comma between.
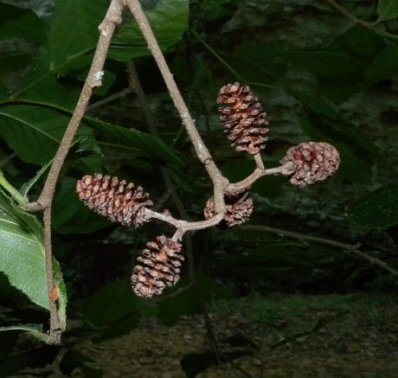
x: 316, y: 239
x: 218, y: 56
x: 321, y: 323
x: 349, y: 15
x: 136, y: 87
x: 218, y: 180
x: 113, y: 97
x: 44, y: 202
x: 55, y: 331
x: 182, y: 225
x: 260, y: 171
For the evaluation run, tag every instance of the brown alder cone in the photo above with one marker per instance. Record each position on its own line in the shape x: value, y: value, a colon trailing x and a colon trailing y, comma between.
x: 313, y: 162
x: 159, y: 267
x: 239, y: 208
x: 243, y: 118
x: 114, y: 199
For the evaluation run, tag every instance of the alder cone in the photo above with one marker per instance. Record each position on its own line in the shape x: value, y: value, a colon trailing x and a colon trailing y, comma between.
x: 243, y: 118
x: 313, y: 162
x: 239, y: 208
x: 114, y: 199
x: 159, y: 267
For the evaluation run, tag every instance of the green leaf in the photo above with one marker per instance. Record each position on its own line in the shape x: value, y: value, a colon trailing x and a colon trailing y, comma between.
x: 318, y: 62
x: 340, y: 89
x: 86, y: 153
x: 178, y: 303
x: 378, y: 209
x: 261, y: 62
x: 78, y: 219
x: 169, y: 21
x: 387, y: 10
x: 35, y: 330
x: 28, y: 185
x: 14, y: 60
x: 72, y: 47
x: 316, y: 106
x: 219, y: 9
x: 149, y: 144
x: 22, y: 253
x: 3, y: 91
x: 384, y: 65
x: 40, y: 86
x: 33, y: 132
x: 20, y: 33
x: 20, y: 23
x: 325, y: 120
x: 23, y: 259
x: 74, y: 32
x: 359, y: 41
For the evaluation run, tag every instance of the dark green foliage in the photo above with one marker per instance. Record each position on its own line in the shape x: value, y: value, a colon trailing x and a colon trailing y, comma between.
x: 387, y: 10
x: 377, y: 209
x: 109, y: 305
x: 22, y: 26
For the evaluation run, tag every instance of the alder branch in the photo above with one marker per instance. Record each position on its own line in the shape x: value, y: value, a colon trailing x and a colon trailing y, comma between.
x: 221, y: 185
x: 260, y: 171
x: 218, y: 180
x: 112, y: 18
x: 182, y: 225
x: 349, y: 248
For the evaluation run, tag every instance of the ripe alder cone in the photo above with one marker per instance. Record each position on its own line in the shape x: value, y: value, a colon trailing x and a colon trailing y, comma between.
x: 243, y: 118
x: 313, y: 161
x: 115, y: 199
x: 159, y: 267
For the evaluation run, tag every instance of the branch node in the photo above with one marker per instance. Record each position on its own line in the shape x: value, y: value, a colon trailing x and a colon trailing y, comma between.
x: 208, y: 161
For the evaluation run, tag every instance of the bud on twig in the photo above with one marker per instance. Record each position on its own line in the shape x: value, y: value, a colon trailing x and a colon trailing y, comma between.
x: 243, y: 118
x: 239, y: 208
x: 313, y: 161
x: 118, y: 201
x: 159, y: 268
